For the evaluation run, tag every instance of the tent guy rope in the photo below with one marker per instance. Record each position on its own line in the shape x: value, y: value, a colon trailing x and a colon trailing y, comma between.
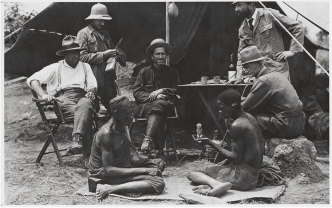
x: 305, y: 50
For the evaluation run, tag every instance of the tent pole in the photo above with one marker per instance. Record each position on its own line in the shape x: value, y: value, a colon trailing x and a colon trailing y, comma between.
x: 167, y: 31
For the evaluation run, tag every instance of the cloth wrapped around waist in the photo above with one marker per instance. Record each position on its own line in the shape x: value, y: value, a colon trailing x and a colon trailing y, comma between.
x: 270, y: 175
x: 242, y: 176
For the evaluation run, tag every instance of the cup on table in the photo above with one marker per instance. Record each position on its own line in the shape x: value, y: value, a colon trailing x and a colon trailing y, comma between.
x: 216, y: 79
x: 204, y: 79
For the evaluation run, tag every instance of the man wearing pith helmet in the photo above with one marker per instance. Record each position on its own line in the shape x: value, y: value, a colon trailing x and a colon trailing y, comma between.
x: 154, y: 92
x: 72, y: 82
x: 100, y: 52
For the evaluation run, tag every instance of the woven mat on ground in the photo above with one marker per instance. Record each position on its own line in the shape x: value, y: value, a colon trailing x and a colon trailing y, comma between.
x: 180, y: 189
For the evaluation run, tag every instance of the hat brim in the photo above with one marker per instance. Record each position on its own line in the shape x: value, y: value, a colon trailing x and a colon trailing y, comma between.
x: 167, y: 46
x: 254, y: 60
x: 99, y: 17
x: 62, y: 52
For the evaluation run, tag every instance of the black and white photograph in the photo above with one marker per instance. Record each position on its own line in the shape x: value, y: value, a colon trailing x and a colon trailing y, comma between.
x: 165, y: 103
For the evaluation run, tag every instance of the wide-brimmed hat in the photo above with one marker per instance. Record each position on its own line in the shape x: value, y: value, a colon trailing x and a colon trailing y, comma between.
x: 250, y: 54
x: 159, y: 42
x: 99, y: 12
x: 69, y: 44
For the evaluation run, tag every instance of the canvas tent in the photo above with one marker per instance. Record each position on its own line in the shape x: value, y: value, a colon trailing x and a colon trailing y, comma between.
x: 203, y: 36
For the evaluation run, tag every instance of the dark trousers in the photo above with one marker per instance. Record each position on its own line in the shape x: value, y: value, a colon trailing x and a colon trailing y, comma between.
x: 106, y: 86
x: 283, y: 125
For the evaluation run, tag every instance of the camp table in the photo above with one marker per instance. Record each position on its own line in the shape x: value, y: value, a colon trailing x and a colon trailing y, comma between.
x: 204, y: 89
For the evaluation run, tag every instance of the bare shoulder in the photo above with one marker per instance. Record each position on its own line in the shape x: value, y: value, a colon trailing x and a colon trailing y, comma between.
x: 103, y: 135
x: 241, y: 124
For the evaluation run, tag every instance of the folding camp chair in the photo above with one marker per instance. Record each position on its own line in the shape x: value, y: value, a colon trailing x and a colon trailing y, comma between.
x: 124, y: 87
x: 52, y: 120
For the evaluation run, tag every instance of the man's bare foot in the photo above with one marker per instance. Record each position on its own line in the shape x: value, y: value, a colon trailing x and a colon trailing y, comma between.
x: 202, y: 189
x: 220, y: 189
x: 103, y: 190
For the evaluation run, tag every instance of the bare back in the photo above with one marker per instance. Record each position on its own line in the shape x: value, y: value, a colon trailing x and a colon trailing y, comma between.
x: 250, y: 140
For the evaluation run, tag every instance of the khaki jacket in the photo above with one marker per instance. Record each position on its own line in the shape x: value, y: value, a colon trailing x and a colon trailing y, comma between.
x: 96, y: 45
x: 267, y: 34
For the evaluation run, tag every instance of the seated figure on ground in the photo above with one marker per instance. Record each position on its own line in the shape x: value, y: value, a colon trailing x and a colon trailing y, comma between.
x: 245, y: 156
x: 154, y: 92
x: 272, y: 99
x: 74, y: 85
x: 115, y: 161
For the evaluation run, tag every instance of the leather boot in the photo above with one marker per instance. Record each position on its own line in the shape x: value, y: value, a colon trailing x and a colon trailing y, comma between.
x: 76, y: 146
x: 152, y: 128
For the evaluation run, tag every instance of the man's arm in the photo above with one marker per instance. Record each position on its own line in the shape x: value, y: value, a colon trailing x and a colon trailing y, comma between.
x: 295, y: 28
x: 47, y: 74
x: 259, y: 93
x: 35, y: 85
x: 141, y: 96
x: 107, y: 160
x: 172, y: 89
x: 236, y: 134
x: 88, y: 56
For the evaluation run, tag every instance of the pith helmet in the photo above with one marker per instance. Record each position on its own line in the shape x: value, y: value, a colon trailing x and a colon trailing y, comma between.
x: 159, y: 42
x: 250, y: 54
x: 99, y: 12
x: 69, y: 44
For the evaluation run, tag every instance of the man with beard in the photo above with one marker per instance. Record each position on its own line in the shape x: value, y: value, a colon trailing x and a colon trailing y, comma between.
x: 245, y: 157
x: 72, y: 82
x: 100, y: 52
x: 154, y: 91
x: 259, y: 28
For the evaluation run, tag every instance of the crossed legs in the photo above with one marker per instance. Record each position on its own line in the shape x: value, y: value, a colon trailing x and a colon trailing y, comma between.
x: 207, y: 185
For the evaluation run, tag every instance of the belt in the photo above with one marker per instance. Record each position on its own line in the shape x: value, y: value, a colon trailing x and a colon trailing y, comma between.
x: 289, y: 113
x: 74, y: 89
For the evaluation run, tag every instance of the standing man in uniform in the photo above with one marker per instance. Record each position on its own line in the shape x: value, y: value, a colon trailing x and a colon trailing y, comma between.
x: 260, y: 28
x: 100, y: 52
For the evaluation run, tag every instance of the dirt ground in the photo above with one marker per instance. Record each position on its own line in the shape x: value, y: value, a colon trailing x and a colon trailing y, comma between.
x: 29, y: 183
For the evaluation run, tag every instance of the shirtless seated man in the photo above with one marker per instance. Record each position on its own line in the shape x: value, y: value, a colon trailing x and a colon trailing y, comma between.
x: 114, y: 160
x: 246, y: 155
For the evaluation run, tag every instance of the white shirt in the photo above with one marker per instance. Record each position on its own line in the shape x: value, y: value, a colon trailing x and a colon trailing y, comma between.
x: 70, y: 77
x: 254, y: 17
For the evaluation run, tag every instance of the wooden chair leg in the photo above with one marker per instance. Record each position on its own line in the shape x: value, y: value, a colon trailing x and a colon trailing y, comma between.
x: 50, y: 139
x: 172, y: 141
x: 174, y: 146
x: 57, y: 152
x: 165, y: 133
x: 43, y: 150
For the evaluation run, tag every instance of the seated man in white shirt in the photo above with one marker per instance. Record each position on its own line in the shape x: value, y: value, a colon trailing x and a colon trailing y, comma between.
x: 74, y: 84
